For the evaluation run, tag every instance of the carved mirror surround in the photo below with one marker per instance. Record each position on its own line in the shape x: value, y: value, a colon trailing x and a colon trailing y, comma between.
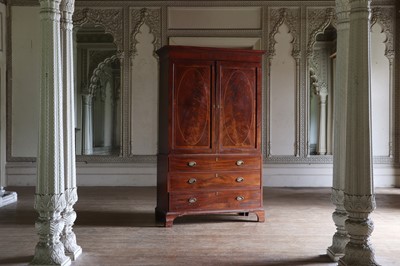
x: 321, y: 50
x: 98, y: 89
x: 321, y: 75
x: 98, y: 83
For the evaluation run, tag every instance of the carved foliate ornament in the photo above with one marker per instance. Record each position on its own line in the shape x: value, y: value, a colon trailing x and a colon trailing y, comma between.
x: 318, y: 20
x: 291, y: 17
x: 359, y: 203
x: 150, y: 17
x: 110, y: 19
x: 386, y: 18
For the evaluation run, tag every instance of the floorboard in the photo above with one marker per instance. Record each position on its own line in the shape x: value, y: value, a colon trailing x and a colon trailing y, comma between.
x: 116, y: 226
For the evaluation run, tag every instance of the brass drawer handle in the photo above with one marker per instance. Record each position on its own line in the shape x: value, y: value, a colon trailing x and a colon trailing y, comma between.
x: 239, y: 162
x: 192, y: 180
x: 192, y: 200
x: 239, y: 179
x: 239, y: 198
x: 192, y: 164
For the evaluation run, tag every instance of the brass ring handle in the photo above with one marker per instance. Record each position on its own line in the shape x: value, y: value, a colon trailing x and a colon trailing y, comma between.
x: 192, y: 164
x: 239, y: 162
x: 239, y: 179
x: 192, y: 180
x: 239, y: 198
x: 192, y: 200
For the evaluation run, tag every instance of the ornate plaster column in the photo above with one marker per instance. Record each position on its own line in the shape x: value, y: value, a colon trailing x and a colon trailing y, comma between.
x: 49, y: 195
x: 323, y: 94
x: 359, y: 200
x: 68, y: 237
x: 87, y: 124
x: 340, y: 238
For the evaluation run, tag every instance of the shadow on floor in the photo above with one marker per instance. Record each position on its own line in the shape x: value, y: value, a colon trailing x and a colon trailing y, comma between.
x: 116, y: 219
x: 317, y: 260
x: 25, y: 260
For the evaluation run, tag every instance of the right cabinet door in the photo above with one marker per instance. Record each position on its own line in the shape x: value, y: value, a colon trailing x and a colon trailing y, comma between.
x: 239, y: 102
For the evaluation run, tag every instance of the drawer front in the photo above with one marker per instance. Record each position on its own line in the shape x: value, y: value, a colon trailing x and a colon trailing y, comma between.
x: 214, y: 163
x: 224, y: 200
x: 202, y: 180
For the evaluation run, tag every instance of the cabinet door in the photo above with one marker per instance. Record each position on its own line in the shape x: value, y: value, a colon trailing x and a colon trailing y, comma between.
x: 193, y: 99
x: 239, y: 101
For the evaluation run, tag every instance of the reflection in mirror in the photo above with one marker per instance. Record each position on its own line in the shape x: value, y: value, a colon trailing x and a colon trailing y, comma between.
x: 98, y: 93
x: 321, y: 76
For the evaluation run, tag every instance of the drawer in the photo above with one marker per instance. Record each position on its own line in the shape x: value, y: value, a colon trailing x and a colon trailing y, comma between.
x: 203, y: 180
x: 215, y: 163
x: 222, y: 200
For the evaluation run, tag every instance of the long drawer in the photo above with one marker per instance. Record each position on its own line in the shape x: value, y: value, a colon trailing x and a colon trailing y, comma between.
x: 215, y: 163
x: 206, y: 180
x: 218, y: 200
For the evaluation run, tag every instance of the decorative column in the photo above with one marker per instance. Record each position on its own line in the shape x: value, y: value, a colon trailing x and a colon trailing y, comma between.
x: 359, y: 200
x: 68, y: 237
x: 340, y: 238
x: 323, y: 94
x: 49, y: 194
x: 87, y: 100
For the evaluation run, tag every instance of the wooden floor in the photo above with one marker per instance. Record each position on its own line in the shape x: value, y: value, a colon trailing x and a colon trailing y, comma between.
x: 116, y: 226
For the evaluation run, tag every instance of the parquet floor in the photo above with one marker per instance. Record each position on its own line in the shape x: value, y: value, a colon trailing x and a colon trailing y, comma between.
x: 116, y: 226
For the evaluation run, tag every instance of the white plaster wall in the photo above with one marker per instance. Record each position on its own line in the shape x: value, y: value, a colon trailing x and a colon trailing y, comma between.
x: 214, y: 17
x: 26, y: 64
x: 3, y: 61
x: 380, y: 93
x: 283, y: 95
x: 144, y: 96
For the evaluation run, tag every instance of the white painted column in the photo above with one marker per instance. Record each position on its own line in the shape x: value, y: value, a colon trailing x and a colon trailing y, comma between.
x: 49, y: 195
x: 323, y: 94
x: 68, y: 237
x: 359, y: 200
x: 340, y: 238
x: 87, y: 124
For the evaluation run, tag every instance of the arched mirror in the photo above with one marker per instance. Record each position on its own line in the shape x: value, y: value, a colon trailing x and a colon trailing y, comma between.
x: 98, y: 90
x: 321, y: 77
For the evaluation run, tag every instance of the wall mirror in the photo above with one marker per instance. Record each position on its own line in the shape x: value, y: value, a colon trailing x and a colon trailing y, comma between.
x: 321, y: 77
x: 97, y: 92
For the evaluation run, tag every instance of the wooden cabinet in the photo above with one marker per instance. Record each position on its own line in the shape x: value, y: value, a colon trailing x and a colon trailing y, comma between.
x: 209, y: 157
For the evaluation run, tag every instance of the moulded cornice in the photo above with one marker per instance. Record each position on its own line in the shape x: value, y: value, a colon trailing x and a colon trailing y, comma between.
x: 159, y: 3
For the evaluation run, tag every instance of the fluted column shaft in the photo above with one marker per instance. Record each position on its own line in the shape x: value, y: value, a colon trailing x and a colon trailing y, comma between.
x: 339, y: 216
x: 359, y: 199
x: 323, y: 94
x: 49, y: 195
x: 68, y: 237
x: 87, y: 124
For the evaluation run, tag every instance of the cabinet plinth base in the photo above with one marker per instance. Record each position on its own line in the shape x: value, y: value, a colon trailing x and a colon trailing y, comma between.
x: 167, y: 218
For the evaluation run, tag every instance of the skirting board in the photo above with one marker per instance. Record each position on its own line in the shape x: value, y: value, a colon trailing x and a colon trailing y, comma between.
x: 144, y: 174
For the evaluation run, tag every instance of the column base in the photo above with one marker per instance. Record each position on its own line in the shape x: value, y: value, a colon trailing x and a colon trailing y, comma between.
x: 7, y: 198
x: 75, y: 254
x: 335, y: 256
x: 50, y: 255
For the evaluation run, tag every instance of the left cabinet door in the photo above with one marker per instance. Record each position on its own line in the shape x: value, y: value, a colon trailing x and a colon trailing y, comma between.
x: 193, y: 92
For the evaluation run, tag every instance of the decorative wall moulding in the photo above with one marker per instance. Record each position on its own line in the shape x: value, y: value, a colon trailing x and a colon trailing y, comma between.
x: 290, y: 16
x: 123, y: 20
x: 152, y: 18
x: 110, y: 19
